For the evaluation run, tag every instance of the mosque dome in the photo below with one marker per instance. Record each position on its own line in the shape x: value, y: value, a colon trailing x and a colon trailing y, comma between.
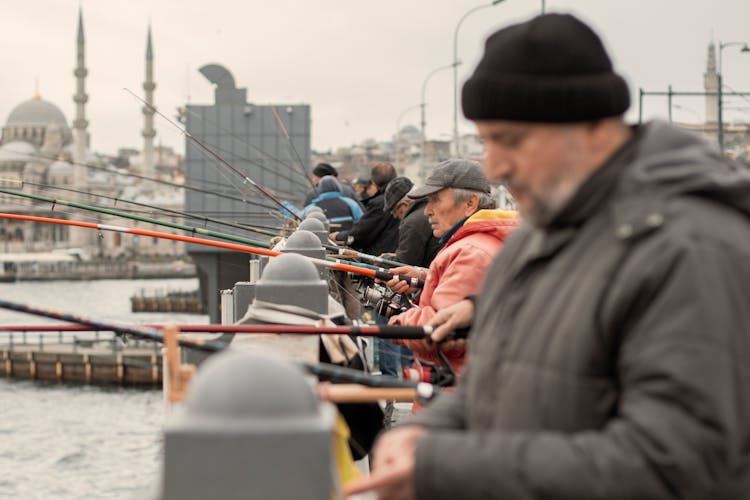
x: 60, y: 168
x: 17, y: 151
x: 36, y: 111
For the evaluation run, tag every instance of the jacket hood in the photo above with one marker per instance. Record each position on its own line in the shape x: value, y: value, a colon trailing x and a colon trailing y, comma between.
x: 678, y: 162
x: 328, y: 184
x: 498, y: 223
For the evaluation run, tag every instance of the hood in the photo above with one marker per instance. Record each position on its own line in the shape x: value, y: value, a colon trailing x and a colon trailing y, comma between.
x: 680, y: 163
x: 498, y: 223
x: 329, y: 184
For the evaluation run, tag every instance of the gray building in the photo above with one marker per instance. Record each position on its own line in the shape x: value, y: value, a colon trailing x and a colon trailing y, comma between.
x: 269, y: 144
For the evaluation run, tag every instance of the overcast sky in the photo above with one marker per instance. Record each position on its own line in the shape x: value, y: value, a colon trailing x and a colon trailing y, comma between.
x: 360, y: 64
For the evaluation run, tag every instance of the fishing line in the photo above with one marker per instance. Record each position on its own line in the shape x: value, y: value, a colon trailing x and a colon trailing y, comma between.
x: 242, y: 141
x: 109, y: 170
x: 245, y: 178
x: 291, y: 144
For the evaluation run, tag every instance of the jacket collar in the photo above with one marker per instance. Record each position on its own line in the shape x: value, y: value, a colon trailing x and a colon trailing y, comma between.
x: 589, y: 199
x: 596, y: 189
x: 447, y: 236
x: 416, y: 205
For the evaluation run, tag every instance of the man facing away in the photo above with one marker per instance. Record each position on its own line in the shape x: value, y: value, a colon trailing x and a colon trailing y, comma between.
x: 609, y: 346
x: 341, y: 211
x: 376, y: 232
x: 321, y: 170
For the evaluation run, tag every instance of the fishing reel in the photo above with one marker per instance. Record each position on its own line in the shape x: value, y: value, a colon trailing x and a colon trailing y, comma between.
x: 382, y: 300
x: 441, y: 375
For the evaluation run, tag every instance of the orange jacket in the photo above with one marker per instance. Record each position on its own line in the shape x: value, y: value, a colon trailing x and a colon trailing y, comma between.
x: 457, y: 271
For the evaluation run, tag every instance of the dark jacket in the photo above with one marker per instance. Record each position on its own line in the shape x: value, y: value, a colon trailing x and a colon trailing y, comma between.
x: 376, y: 232
x: 609, y: 356
x: 416, y: 244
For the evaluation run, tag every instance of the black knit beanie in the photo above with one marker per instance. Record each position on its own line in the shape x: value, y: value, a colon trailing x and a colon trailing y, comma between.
x: 552, y: 68
x: 322, y: 169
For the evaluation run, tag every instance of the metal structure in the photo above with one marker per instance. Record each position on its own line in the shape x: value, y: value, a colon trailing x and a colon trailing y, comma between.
x: 251, y: 138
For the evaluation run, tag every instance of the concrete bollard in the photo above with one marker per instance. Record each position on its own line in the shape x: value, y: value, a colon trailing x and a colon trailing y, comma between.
x: 316, y: 227
x: 252, y: 429
x: 321, y: 216
x: 306, y: 243
x: 293, y: 280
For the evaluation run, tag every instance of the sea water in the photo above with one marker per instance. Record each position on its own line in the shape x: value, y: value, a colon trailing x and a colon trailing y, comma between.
x: 71, y: 442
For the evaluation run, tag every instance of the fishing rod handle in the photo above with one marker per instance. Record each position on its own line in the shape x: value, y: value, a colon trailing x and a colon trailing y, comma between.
x: 413, y: 282
x: 402, y: 332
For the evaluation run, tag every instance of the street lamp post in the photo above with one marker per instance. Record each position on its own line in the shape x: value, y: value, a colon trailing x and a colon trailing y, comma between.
x: 423, y: 104
x: 455, y: 69
x: 720, y: 77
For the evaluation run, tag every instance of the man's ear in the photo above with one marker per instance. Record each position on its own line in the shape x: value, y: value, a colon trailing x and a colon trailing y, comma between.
x: 472, y: 202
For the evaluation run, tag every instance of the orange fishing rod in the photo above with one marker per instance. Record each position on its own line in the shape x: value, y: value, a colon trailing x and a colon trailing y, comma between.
x: 337, y: 266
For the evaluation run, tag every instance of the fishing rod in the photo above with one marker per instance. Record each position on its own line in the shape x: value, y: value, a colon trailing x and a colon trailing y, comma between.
x: 117, y: 213
x: 108, y: 170
x: 173, y: 225
x: 231, y: 155
x: 116, y: 199
x: 348, y: 252
x: 381, y: 331
x: 144, y: 333
x: 337, y: 266
x: 210, y: 151
x: 321, y: 369
x: 203, y: 218
x: 245, y: 143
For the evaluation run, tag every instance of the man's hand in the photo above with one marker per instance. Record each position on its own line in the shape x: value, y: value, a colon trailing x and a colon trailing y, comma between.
x: 333, y: 235
x: 392, y: 466
x: 447, y: 320
x: 403, y: 287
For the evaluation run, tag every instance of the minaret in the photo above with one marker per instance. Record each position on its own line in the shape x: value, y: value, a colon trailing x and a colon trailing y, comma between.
x: 711, y: 85
x: 148, y: 112
x: 80, y: 136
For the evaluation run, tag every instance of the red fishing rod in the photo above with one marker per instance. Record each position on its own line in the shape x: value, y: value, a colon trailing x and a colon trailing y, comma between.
x: 337, y: 266
x: 334, y: 372
x: 213, y: 153
x: 382, y: 331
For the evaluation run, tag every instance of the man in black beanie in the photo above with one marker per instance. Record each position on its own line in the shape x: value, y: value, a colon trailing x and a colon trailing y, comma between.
x: 609, y: 346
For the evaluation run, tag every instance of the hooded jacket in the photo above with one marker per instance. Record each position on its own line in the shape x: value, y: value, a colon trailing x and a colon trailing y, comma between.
x: 609, y: 350
x: 458, y: 270
x: 339, y: 209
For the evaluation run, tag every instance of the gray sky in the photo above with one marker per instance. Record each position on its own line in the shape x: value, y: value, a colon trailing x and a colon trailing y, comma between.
x: 359, y: 63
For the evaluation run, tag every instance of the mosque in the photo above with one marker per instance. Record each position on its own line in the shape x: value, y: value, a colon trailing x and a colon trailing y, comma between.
x: 40, y: 148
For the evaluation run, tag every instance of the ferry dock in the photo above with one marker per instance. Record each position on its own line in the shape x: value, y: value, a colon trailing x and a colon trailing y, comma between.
x: 99, y: 359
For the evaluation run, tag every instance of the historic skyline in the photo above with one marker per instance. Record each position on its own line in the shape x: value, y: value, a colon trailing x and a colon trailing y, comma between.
x: 360, y: 65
